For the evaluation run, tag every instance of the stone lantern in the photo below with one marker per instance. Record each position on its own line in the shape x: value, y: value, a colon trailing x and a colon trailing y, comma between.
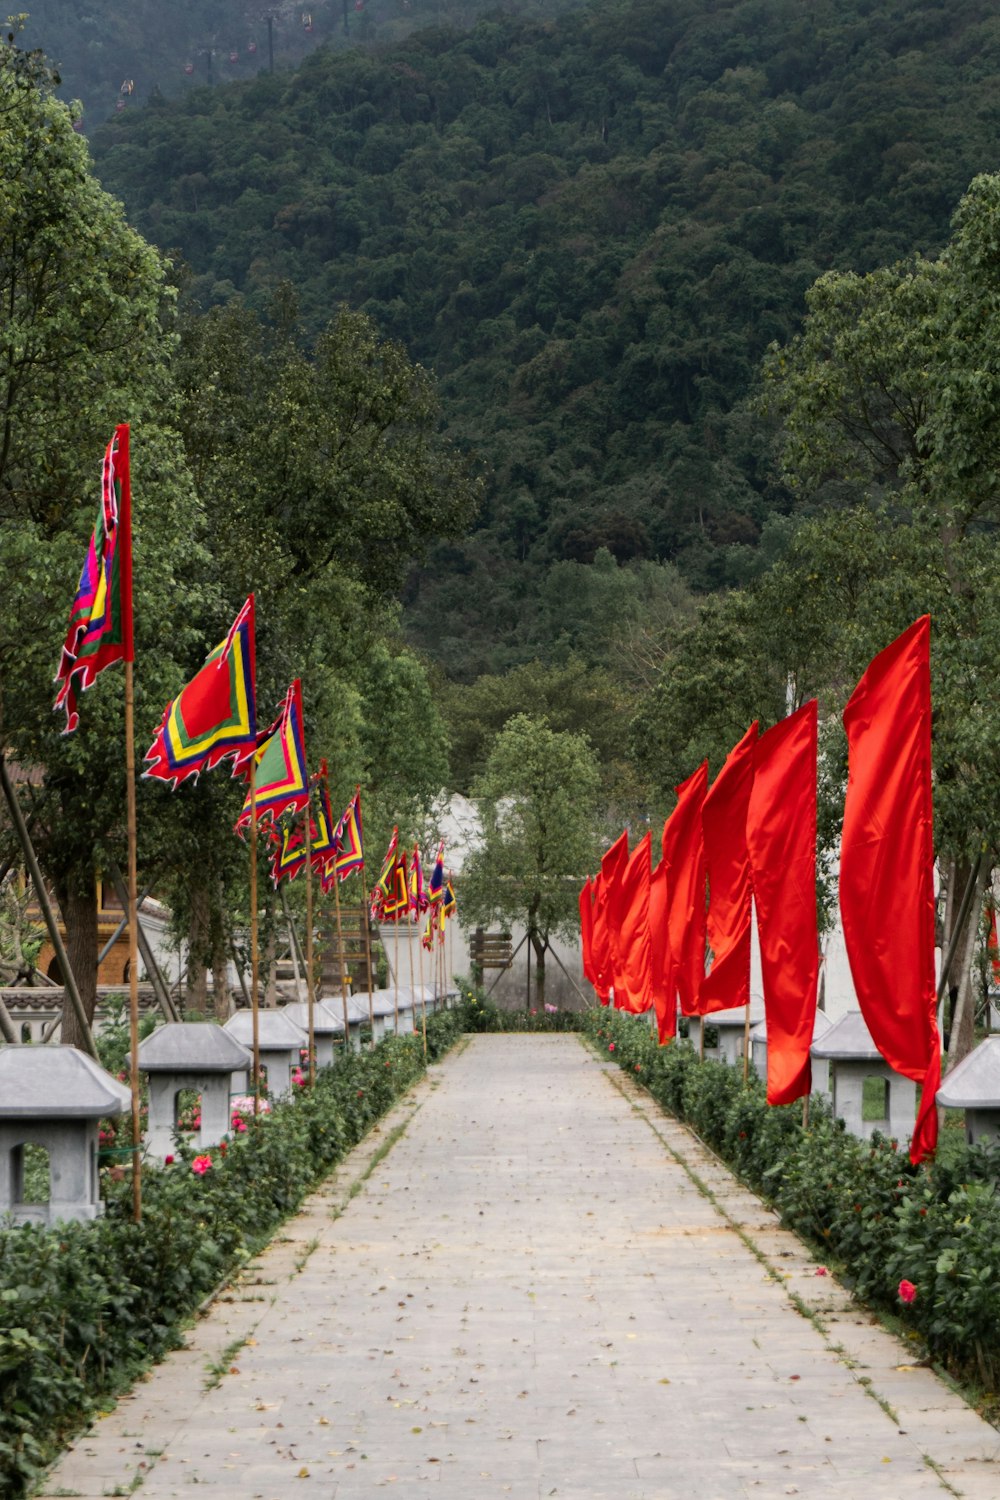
x: 730, y: 1026
x: 195, y: 1056
x: 820, y: 1066
x: 54, y: 1098
x: 279, y: 1042
x: 974, y: 1085
x: 866, y: 1093
x: 326, y: 1029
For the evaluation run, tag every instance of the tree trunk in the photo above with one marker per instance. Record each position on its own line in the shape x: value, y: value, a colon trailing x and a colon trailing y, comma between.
x: 196, y: 986
x: 78, y: 909
x: 964, y: 1017
x: 540, y: 946
x: 220, y: 963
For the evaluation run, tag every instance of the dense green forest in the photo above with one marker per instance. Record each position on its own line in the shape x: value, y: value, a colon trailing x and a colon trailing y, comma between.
x: 590, y: 230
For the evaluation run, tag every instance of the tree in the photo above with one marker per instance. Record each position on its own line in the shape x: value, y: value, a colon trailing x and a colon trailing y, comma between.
x: 537, y: 800
x: 83, y: 345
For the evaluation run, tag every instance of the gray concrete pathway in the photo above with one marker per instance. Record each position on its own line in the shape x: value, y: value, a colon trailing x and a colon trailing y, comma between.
x: 543, y: 1288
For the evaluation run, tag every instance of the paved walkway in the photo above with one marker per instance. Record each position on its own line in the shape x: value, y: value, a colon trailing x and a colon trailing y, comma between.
x: 543, y: 1288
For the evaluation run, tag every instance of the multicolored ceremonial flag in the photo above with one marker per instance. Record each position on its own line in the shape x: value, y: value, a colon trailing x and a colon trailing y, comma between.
x: 435, y: 891
x: 349, y: 839
x: 282, y: 778
x: 419, y: 900
x: 450, y: 905
x: 397, y: 902
x: 323, y: 837
x: 100, y: 621
x: 290, y: 852
x: 214, y: 718
x: 381, y: 890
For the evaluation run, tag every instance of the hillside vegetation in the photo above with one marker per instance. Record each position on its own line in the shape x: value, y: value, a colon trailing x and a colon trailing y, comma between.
x: 590, y: 229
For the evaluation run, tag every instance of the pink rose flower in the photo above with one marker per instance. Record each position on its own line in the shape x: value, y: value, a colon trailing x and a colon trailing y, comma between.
x: 907, y: 1292
x: 611, y: 1046
x: 168, y: 1161
x: 201, y: 1165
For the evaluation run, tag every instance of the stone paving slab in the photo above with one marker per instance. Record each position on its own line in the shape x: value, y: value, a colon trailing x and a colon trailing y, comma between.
x: 545, y: 1289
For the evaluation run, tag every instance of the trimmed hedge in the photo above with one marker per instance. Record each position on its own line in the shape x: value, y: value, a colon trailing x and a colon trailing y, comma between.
x: 84, y: 1307
x: 877, y: 1218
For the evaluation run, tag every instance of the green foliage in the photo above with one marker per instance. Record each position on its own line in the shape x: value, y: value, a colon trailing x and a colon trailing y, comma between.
x: 869, y: 1213
x: 101, y: 1300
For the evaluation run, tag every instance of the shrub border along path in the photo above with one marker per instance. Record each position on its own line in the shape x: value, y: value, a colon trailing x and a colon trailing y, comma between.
x: 112, y: 1451
x: 917, y: 1400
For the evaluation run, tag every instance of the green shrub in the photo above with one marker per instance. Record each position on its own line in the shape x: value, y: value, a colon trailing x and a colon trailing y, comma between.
x: 861, y: 1203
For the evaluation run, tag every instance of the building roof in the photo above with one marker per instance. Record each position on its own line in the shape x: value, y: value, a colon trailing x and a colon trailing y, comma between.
x: 46, y: 1083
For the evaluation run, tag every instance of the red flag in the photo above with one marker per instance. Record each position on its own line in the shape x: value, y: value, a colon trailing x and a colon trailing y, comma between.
x: 587, y: 930
x: 781, y: 843
x: 663, y: 981
x: 724, y: 824
x: 613, y: 865
x: 887, y: 866
x: 684, y: 857
x: 633, y: 935
x: 600, y: 944
x: 993, y: 946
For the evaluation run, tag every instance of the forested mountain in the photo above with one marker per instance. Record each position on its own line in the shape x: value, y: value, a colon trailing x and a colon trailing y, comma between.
x: 112, y: 55
x: 590, y: 229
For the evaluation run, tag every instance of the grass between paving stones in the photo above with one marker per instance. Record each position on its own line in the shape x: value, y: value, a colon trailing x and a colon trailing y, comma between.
x: 872, y: 1216
x: 85, y: 1307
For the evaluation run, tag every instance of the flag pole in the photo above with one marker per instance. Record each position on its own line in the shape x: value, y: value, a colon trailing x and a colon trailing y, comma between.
x: 310, y: 981
x: 746, y: 1046
x: 254, y: 936
x: 366, y: 919
x: 423, y: 998
x: 395, y: 967
x: 340, y: 958
x: 128, y: 655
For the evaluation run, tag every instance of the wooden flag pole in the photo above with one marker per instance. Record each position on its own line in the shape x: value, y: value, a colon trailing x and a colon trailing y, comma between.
x: 366, y: 920
x: 310, y: 981
x: 133, y: 940
x: 254, y: 940
x: 420, y: 970
x: 340, y: 959
x: 395, y: 966
x: 746, y: 1046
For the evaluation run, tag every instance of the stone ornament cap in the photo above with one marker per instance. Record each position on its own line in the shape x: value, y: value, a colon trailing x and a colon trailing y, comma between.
x: 276, y: 1032
x: 975, y: 1082
x: 821, y: 1025
x: 384, y: 1002
x: 325, y: 1021
x: 192, y: 1047
x: 736, y: 1015
x: 848, y: 1040
x: 46, y: 1083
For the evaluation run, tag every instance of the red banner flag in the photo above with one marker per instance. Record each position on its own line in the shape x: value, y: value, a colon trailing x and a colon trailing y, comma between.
x: 724, y: 824
x: 633, y: 934
x: 887, y: 866
x: 613, y: 863
x: 684, y: 858
x: 663, y: 981
x: 587, y: 930
x: 600, y: 945
x: 781, y: 842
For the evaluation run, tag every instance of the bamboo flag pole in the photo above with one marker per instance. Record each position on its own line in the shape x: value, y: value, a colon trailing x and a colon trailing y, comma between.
x: 340, y: 959
x: 310, y: 980
x: 254, y: 940
x: 746, y: 1045
x: 423, y: 998
x: 133, y: 940
x: 395, y: 966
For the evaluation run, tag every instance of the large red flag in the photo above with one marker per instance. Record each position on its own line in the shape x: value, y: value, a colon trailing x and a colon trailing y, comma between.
x: 781, y: 843
x: 600, y: 944
x: 587, y: 930
x: 684, y: 857
x: 633, y: 935
x: 887, y: 866
x: 724, y: 822
x: 663, y: 980
x: 613, y: 864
